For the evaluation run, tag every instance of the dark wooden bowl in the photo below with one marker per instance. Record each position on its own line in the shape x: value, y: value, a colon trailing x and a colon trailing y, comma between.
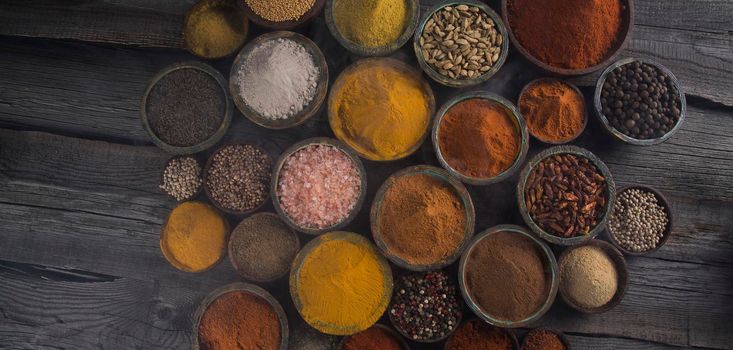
x: 162, y: 173
x: 627, y: 23
x: 559, y: 334
x: 285, y: 25
x: 400, y: 339
x: 575, y: 88
x: 507, y: 331
x: 662, y: 201
x: 621, y: 270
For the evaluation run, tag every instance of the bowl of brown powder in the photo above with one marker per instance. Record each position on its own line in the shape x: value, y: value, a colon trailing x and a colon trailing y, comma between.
x: 282, y: 14
x: 422, y: 206
x: 508, y: 277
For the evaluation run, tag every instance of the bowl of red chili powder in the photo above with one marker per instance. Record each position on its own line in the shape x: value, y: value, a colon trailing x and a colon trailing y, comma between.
x: 569, y: 37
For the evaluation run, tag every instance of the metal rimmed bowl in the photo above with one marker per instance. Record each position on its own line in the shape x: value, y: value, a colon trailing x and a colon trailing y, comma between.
x: 397, y: 337
x: 214, y: 5
x: 323, y: 141
x: 205, y: 177
x: 308, y: 16
x: 662, y: 201
x: 627, y: 23
x: 162, y: 175
x: 578, y: 152
x: 230, y: 251
x: 511, y: 110
x: 355, y: 239
x: 245, y: 288
x: 444, y: 177
x: 551, y: 270
x: 235, y: 85
x: 572, y: 87
x: 226, y: 118
x: 509, y: 333
x: 459, y: 83
x: 413, y: 9
x: 621, y: 270
x: 367, y: 64
x: 560, y: 335
x: 619, y: 135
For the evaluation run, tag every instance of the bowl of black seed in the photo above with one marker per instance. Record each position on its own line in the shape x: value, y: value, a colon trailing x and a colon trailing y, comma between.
x: 639, y: 101
x: 181, y: 178
x: 186, y: 108
x: 426, y: 307
x: 237, y: 178
x: 641, y: 221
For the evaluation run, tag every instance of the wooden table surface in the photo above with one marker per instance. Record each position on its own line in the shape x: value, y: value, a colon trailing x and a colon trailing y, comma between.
x: 80, y: 208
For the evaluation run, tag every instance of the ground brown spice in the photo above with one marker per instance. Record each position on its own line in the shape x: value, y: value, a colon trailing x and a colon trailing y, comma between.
x: 542, y: 339
x: 239, y: 320
x: 478, y: 335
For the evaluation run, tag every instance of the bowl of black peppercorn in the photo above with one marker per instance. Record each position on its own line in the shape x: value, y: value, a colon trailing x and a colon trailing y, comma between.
x: 639, y: 101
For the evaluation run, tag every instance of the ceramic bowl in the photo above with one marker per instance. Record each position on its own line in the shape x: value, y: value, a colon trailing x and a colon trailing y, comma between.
x: 663, y: 202
x: 221, y: 5
x: 574, y: 88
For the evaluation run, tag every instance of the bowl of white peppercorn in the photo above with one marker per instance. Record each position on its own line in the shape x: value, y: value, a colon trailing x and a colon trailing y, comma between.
x: 641, y: 221
x: 181, y: 178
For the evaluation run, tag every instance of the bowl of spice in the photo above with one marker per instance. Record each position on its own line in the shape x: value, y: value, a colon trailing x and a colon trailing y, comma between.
x: 545, y: 339
x: 426, y: 306
x: 480, y: 138
x: 318, y: 186
x: 372, y: 28
x: 461, y: 43
x: 181, y: 178
x: 422, y: 206
x: 282, y: 14
x: 279, y: 80
x: 215, y: 28
x: 262, y: 247
x: 381, y: 107
x: 378, y: 337
x: 476, y: 334
x: 508, y: 277
x: 554, y: 110
x: 566, y: 194
x: 305, y: 337
x: 240, y: 316
x: 641, y: 221
x: 569, y: 37
x: 237, y: 178
x: 593, y: 276
x: 185, y: 108
x: 193, y: 238
x: 359, y: 283
x: 639, y: 101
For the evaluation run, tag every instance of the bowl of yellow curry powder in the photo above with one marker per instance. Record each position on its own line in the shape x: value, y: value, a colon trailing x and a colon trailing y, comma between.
x: 372, y: 28
x: 340, y: 284
x: 381, y: 107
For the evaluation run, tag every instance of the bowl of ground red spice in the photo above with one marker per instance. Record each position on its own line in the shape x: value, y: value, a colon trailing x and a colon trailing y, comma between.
x: 282, y: 14
x: 566, y: 194
x: 240, y: 315
x: 476, y: 334
x: 480, y: 138
x: 422, y: 206
x: 553, y: 109
x: 569, y: 37
x: 508, y: 276
x: 545, y: 339
x: 318, y: 185
x: 378, y: 337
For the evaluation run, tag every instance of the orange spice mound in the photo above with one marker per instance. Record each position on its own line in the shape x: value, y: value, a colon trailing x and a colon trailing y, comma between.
x: 553, y: 110
x: 239, y: 320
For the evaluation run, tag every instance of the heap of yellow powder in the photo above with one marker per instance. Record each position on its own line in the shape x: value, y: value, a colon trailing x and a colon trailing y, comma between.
x: 380, y: 109
x: 371, y: 23
x: 215, y: 29
x: 341, y: 287
x: 194, y: 236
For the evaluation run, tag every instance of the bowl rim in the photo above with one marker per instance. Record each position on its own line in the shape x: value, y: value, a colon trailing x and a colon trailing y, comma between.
x: 460, y: 83
x: 392, y: 332
x: 458, y: 189
x: 621, y: 270
x: 574, y: 88
x: 308, y: 16
x: 310, y: 110
x: 663, y: 202
x: 516, y: 117
x: 198, y: 6
x: 366, y: 63
x: 169, y: 257
x: 353, y: 238
x: 551, y: 267
x: 560, y: 335
x: 628, y: 16
x: 162, y: 176
x: 245, y: 288
x: 578, y: 152
x: 230, y: 250
x: 205, y: 176
x: 508, y: 331
x: 211, y: 140
x: 607, y: 124
x: 316, y: 141
x: 364, y: 51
